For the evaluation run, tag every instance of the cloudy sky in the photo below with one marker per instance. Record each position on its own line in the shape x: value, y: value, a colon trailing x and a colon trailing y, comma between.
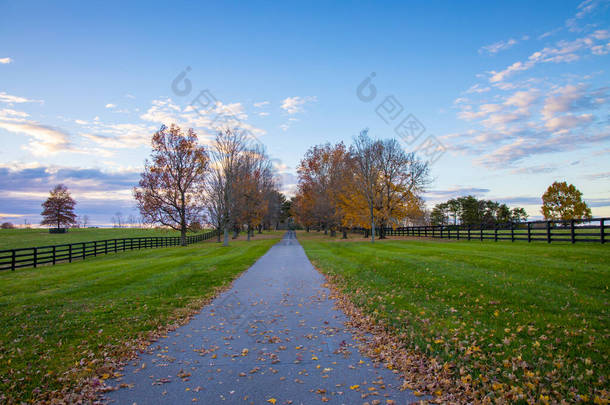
x: 503, y: 99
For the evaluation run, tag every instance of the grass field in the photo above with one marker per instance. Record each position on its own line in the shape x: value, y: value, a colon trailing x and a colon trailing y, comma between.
x: 515, y: 320
x: 23, y: 238
x: 68, y: 318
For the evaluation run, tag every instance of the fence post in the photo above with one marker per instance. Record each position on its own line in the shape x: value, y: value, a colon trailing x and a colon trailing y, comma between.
x: 13, y: 258
x: 481, y: 232
x: 572, y: 234
x: 70, y: 253
x: 94, y: 248
x: 529, y: 232
x: 512, y: 231
x: 53, y: 255
x: 602, y: 230
x: 441, y: 232
x: 458, y: 232
x: 548, y: 231
x: 35, y: 257
x: 469, y: 231
x: 83, y: 250
x: 495, y: 232
x: 106, y: 247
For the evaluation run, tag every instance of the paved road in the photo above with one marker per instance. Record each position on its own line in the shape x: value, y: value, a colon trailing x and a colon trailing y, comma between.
x: 273, y: 335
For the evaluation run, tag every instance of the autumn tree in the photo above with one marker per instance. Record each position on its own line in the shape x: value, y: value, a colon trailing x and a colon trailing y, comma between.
x: 171, y: 187
x: 322, y: 177
x: 58, y: 209
x: 563, y: 201
x: 403, y: 178
x: 253, y: 183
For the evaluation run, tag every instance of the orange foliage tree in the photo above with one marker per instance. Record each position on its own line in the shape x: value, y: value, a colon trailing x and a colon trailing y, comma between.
x: 375, y: 182
x: 171, y: 187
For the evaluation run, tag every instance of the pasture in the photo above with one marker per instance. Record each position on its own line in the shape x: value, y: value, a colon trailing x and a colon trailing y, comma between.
x: 23, y: 238
x: 512, y: 320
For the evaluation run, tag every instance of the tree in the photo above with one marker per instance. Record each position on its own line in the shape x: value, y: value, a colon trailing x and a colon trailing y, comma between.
x: 403, y: 177
x: 171, y: 187
x: 7, y: 225
x: 440, y: 214
x: 367, y: 154
x: 518, y: 215
x: 118, y: 219
x: 253, y: 181
x: 85, y: 220
x: 226, y: 151
x: 58, y: 209
x: 563, y: 201
x: 322, y: 177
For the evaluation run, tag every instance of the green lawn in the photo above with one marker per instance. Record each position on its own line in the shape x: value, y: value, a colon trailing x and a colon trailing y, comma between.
x: 518, y: 319
x: 24, y: 238
x: 72, y: 315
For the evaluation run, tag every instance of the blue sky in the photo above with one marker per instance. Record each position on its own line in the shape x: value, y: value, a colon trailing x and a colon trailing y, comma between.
x: 515, y: 93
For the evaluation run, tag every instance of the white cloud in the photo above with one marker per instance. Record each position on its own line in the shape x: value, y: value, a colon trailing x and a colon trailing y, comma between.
x: 566, y: 122
x: 8, y: 114
x: 293, y: 105
x: 477, y: 88
x: 567, y: 98
x: 119, y: 136
x: 110, y: 105
x: 10, y: 99
x: 563, y: 52
x: 206, y: 118
x: 45, y: 139
x: 263, y: 114
x: 498, y: 46
x: 261, y: 104
x: 5, y: 61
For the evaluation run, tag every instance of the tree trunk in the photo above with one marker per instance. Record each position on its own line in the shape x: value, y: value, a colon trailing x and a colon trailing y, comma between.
x: 226, y: 237
x: 183, y: 235
x: 333, y: 232
x: 372, y: 226
x: 249, y: 232
x: 218, y: 234
x: 344, y: 233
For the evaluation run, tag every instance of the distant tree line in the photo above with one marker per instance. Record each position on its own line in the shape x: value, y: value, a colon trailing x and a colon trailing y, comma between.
x: 469, y: 210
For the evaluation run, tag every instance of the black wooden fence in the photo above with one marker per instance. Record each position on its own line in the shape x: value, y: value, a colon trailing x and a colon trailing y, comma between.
x: 12, y: 259
x: 585, y: 230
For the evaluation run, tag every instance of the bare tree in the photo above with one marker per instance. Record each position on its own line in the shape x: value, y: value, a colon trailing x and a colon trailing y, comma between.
x: 172, y: 185
x: 118, y: 217
x: 215, y: 187
x: 226, y: 151
x: 85, y: 220
x: 367, y: 155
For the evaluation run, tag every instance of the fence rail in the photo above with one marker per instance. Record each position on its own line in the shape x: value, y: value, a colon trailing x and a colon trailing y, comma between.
x: 12, y: 259
x: 582, y: 230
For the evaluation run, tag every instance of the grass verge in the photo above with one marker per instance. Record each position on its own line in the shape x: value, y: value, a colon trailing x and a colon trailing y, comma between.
x: 513, y: 322
x: 70, y: 322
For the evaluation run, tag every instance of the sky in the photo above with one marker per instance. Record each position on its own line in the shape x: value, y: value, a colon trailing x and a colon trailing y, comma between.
x: 501, y: 98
